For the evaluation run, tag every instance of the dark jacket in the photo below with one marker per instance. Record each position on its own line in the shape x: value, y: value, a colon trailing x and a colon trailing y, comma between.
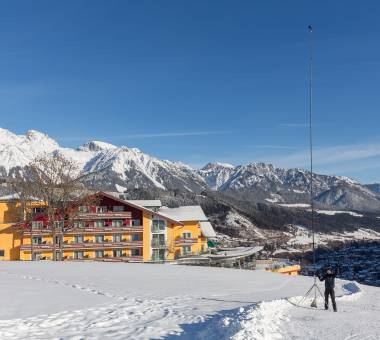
x: 329, y: 280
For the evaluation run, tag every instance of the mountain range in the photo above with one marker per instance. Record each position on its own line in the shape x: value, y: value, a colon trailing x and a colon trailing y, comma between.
x: 123, y: 168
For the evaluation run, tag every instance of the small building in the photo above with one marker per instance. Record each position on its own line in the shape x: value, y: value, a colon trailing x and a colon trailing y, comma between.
x: 283, y: 267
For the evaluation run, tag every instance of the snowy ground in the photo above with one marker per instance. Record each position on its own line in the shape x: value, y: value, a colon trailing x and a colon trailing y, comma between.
x: 46, y: 300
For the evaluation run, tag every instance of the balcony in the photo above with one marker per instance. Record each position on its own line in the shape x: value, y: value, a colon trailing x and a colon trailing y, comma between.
x: 118, y: 259
x: 102, y: 245
x: 108, y: 259
x: 87, y: 230
x: 104, y: 215
x: 39, y: 246
x: 86, y: 245
x: 102, y: 230
x: 185, y: 241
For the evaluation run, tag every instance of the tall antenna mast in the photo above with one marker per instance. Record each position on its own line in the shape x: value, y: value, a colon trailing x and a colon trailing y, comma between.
x: 311, y: 139
x: 314, y: 288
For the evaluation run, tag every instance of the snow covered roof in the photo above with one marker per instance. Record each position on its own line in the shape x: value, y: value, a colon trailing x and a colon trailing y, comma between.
x: 185, y: 213
x: 110, y: 195
x: 207, y: 229
x: 146, y: 203
x: 9, y: 197
x: 235, y: 252
x: 143, y: 203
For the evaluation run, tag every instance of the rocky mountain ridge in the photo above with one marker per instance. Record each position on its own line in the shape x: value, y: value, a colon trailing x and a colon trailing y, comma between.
x: 124, y: 168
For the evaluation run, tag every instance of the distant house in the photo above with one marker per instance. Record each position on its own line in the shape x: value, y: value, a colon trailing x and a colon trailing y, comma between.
x: 114, y: 230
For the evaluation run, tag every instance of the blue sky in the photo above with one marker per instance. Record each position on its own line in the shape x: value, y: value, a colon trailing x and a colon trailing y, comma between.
x: 197, y: 81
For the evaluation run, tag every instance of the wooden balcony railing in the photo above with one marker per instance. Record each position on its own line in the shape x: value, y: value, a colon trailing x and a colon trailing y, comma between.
x: 85, y: 245
x: 108, y: 259
x: 87, y: 230
x: 41, y: 246
x: 103, y: 215
x: 185, y: 241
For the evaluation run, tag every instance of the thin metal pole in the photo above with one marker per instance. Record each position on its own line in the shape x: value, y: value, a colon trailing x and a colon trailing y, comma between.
x: 311, y: 140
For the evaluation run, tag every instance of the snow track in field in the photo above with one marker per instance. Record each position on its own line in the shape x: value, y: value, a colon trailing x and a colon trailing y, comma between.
x: 145, y: 318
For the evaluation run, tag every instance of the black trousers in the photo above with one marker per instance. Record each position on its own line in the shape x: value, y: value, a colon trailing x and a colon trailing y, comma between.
x: 330, y: 291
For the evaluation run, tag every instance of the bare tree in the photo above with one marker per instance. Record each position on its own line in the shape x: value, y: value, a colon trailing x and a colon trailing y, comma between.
x: 23, y: 191
x: 57, y: 182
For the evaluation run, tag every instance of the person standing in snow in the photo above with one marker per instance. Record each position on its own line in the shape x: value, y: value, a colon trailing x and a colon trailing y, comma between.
x: 329, y: 278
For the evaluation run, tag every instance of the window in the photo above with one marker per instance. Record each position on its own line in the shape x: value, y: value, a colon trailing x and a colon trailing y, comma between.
x: 101, y: 209
x: 116, y: 253
x: 78, y: 224
x: 135, y: 252
x: 37, y: 256
x: 78, y: 255
x: 99, y: 238
x: 135, y: 223
x: 117, y: 238
x: 37, y: 240
x: 78, y: 239
x: 117, y: 223
x: 99, y: 253
x: 158, y: 240
x: 83, y: 209
x: 38, y: 210
x: 186, y: 234
x: 118, y: 208
x: 158, y: 255
x: 99, y: 224
x: 2, y: 253
x: 186, y: 250
x: 37, y: 224
x: 58, y: 224
x: 158, y: 226
x: 58, y: 240
x: 135, y: 237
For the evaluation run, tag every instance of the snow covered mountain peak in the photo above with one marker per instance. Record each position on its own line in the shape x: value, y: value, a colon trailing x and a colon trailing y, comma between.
x: 96, y: 146
x: 217, y: 165
x: 41, y: 139
x: 20, y: 150
x: 6, y: 135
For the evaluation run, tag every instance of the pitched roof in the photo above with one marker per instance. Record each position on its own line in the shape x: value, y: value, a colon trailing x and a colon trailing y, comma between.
x: 10, y: 197
x: 171, y: 219
x: 207, y: 229
x: 143, y: 203
x: 185, y: 213
x: 146, y: 203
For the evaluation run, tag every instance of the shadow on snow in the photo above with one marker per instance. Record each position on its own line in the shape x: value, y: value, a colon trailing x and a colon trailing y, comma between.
x: 221, y: 325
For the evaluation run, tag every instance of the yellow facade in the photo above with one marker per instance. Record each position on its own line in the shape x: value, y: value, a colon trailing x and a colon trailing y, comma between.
x: 9, y: 237
x: 146, y: 236
x: 182, y: 238
x: 187, y: 236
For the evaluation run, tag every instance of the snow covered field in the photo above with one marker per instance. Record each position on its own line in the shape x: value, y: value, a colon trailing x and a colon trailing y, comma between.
x: 90, y: 300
